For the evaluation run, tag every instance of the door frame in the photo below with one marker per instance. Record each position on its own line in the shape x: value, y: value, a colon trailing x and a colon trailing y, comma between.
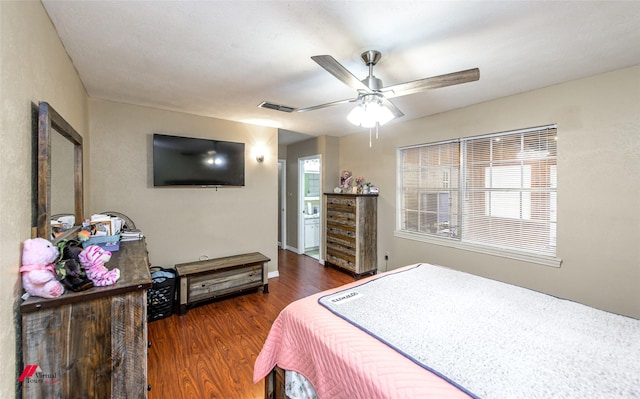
x: 282, y: 212
x: 301, y: 246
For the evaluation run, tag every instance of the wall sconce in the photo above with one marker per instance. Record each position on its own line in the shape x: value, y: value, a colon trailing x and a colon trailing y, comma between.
x: 258, y: 151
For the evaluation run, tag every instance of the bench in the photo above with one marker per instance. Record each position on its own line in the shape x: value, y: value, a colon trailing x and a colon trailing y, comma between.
x: 212, y: 278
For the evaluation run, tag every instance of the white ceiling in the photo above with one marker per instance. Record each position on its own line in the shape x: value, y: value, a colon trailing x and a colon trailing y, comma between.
x: 222, y: 58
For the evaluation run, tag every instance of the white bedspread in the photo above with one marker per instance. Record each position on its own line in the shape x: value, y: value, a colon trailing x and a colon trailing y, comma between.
x: 496, y: 340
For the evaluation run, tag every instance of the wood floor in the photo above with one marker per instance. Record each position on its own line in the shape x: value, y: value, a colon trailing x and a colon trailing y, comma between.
x: 210, y: 352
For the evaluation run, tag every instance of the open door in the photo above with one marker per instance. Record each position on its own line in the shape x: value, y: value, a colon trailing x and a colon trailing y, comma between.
x: 310, y: 206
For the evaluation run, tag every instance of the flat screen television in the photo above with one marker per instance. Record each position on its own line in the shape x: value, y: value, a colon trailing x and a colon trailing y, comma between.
x: 185, y: 161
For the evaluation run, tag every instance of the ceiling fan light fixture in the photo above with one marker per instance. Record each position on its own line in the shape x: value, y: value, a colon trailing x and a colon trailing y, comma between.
x: 370, y: 112
x: 356, y: 115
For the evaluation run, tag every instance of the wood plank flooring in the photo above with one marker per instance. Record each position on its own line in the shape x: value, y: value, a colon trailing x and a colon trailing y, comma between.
x: 210, y: 352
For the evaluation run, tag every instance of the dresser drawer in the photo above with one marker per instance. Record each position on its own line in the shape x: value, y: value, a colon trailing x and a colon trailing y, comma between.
x: 223, y: 282
x: 340, y: 201
x: 335, y: 237
x: 348, y: 219
x: 341, y: 230
x: 338, y: 261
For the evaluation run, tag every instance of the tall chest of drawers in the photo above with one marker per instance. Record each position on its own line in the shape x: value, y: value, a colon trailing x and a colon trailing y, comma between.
x: 351, y: 231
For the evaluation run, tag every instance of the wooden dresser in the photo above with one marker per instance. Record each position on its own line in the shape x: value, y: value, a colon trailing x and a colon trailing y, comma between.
x: 91, y: 344
x: 351, y: 231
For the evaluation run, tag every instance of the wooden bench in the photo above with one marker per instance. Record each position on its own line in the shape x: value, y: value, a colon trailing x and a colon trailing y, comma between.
x: 207, y: 279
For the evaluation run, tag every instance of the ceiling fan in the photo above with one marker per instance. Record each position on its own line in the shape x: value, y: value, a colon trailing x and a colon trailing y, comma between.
x: 371, y: 93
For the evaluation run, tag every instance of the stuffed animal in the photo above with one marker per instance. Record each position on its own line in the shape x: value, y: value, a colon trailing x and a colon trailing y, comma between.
x: 93, y: 258
x: 83, y: 235
x: 345, y: 179
x: 38, y: 271
x: 68, y: 269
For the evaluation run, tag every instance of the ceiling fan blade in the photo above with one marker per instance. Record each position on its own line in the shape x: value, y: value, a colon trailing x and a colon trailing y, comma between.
x: 392, y: 107
x: 336, y: 69
x: 434, y: 82
x: 288, y: 109
x: 350, y: 100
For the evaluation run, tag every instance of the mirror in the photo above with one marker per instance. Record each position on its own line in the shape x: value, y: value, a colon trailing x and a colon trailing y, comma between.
x: 62, y: 175
x: 59, y: 171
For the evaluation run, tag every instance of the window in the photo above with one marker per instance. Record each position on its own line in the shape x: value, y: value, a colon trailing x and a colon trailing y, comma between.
x: 497, y: 191
x: 430, y: 189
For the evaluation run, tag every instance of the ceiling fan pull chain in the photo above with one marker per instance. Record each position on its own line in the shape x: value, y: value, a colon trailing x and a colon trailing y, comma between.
x: 370, y: 137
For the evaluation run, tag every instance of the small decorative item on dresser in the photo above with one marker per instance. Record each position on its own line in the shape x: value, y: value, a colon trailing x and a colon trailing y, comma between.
x: 345, y: 181
x: 359, y: 185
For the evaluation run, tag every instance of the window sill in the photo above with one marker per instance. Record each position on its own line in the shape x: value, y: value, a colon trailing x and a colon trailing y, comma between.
x: 521, y: 256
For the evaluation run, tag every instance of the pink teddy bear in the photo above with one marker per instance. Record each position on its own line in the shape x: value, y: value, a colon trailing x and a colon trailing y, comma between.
x: 38, y: 270
x: 93, y: 258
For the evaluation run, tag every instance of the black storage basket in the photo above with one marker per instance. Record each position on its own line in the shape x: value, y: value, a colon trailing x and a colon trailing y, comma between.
x: 161, y: 295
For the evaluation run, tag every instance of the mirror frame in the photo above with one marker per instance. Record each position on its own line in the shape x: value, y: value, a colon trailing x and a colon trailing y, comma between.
x: 50, y: 122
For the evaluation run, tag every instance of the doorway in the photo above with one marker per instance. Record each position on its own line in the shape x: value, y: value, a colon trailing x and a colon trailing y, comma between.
x: 309, y: 205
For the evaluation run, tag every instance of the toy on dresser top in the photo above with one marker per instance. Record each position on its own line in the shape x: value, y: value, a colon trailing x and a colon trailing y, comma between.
x: 48, y: 270
x: 69, y: 271
x: 93, y: 258
x: 38, y: 269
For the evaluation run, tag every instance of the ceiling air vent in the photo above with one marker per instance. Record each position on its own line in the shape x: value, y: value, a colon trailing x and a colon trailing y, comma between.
x: 276, y: 107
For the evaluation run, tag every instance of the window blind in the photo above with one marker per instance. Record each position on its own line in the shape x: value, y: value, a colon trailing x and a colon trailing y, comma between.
x: 497, y: 191
x: 510, y: 187
x: 430, y: 187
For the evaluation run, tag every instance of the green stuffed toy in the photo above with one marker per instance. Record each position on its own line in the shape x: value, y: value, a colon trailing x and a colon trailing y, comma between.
x: 69, y: 271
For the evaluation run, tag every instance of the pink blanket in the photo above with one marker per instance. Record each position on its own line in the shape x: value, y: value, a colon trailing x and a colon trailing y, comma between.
x: 340, y: 360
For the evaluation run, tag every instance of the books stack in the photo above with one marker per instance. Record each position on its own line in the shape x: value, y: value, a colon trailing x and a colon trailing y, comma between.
x: 131, y: 235
x: 105, y: 225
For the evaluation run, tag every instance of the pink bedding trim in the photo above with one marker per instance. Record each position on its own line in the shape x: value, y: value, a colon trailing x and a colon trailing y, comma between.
x: 340, y: 360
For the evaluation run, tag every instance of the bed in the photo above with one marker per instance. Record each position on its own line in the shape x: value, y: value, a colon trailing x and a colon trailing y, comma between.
x: 426, y: 331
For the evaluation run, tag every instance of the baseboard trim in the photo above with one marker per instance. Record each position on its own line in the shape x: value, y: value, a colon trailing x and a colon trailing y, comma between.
x: 273, y: 274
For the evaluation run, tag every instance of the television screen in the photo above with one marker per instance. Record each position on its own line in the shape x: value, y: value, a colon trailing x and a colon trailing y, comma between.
x: 184, y: 161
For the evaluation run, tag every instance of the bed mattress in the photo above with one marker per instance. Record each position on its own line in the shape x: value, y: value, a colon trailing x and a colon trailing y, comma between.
x: 345, y: 356
x: 342, y: 361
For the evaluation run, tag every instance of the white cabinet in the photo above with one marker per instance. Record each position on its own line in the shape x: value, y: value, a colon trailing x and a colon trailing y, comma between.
x: 311, y: 233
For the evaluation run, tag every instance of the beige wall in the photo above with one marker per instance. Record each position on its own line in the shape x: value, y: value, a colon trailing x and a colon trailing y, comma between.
x: 34, y: 67
x: 183, y: 224
x: 598, y: 187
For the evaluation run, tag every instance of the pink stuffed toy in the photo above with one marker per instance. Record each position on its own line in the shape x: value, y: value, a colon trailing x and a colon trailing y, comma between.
x: 93, y: 258
x: 38, y: 270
